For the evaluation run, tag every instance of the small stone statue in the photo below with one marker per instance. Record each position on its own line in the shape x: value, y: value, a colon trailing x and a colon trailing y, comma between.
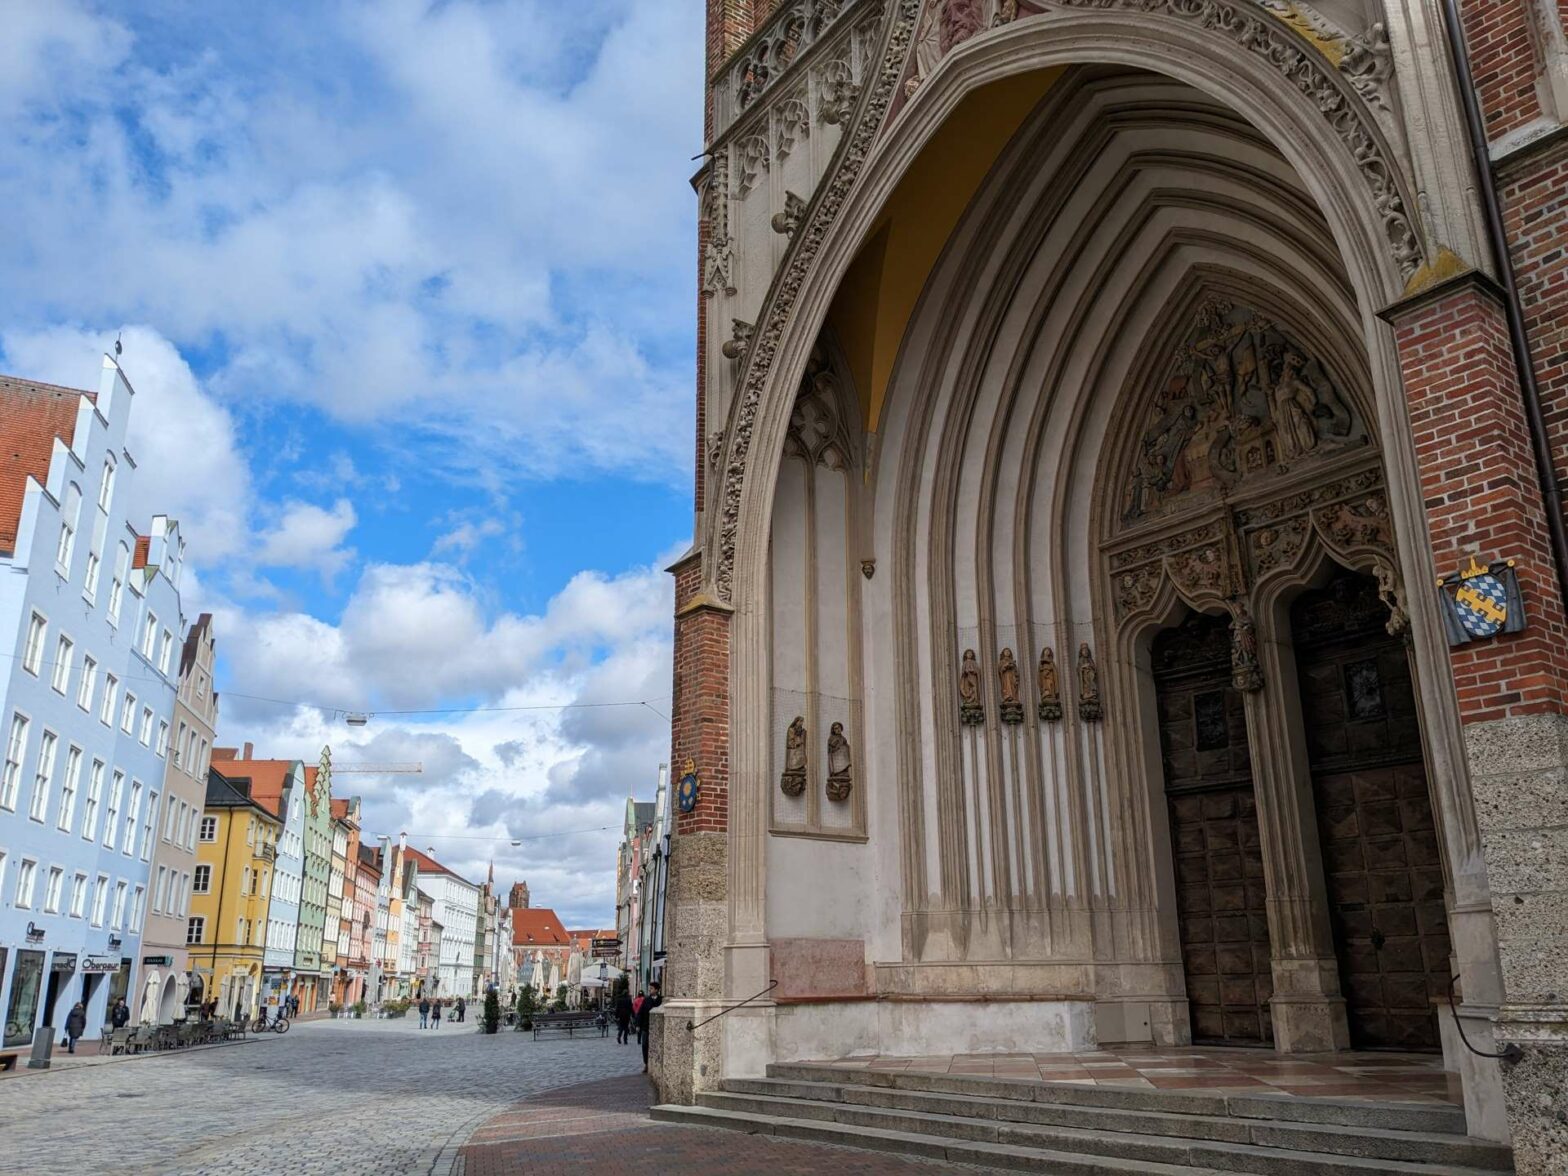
x: 1088, y: 686
x: 793, y: 781
x: 1011, y: 710
x: 1388, y: 592
x: 1245, y: 674
x: 970, y: 709
x: 840, y: 767
x: 1050, y: 687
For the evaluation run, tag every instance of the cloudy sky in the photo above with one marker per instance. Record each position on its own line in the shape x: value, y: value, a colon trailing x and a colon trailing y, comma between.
x: 405, y: 289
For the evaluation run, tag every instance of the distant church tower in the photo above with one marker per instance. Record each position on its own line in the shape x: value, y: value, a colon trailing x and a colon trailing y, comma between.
x: 519, y: 895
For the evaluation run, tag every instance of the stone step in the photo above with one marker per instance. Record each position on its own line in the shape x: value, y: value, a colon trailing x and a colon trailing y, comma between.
x: 1421, y: 1157
x: 1394, y: 1116
x: 955, y: 1151
x: 1425, y: 1146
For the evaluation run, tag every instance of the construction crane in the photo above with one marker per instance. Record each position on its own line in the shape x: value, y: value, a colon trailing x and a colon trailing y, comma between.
x: 413, y: 769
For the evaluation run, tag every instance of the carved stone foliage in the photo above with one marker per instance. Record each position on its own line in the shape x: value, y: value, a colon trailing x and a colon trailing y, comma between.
x: 1198, y: 560
x: 841, y: 768
x: 1011, y: 709
x: 1089, y: 708
x: 791, y: 124
x: 792, y: 28
x: 817, y: 432
x: 718, y: 256
x: 793, y: 780
x: 752, y: 160
x: 1050, y: 687
x: 1241, y: 400
x: 804, y: 247
x: 838, y: 91
x: 1300, y: 63
x: 971, y: 710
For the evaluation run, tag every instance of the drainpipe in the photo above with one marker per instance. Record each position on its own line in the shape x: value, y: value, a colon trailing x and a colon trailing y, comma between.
x: 1551, y: 491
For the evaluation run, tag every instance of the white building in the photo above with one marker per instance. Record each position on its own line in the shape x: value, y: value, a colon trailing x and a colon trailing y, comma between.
x: 455, y: 905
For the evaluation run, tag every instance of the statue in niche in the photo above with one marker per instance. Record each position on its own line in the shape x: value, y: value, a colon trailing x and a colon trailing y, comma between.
x: 793, y: 781
x: 840, y: 767
x: 1088, y: 686
x: 1050, y: 687
x: 1011, y: 710
x: 1245, y: 673
x: 970, y: 709
x: 1242, y: 398
x: 1388, y: 592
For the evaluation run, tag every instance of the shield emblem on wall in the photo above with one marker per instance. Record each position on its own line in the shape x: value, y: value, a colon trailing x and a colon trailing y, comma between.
x: 1481, y: 602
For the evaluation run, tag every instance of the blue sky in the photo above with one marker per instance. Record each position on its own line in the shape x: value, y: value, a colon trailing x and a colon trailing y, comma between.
x: 406, y: 291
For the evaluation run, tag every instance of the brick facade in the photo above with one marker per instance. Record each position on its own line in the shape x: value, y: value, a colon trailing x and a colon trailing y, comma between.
x: 700, y: 723
x: 1504, y: 62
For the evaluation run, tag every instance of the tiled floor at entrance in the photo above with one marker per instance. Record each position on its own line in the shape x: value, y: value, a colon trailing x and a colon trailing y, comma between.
x: 1401, y: 1077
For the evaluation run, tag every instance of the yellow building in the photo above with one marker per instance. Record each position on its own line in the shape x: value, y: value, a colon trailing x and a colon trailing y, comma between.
x: 227, y: 934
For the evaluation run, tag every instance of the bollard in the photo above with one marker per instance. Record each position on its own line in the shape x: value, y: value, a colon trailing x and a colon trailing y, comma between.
x: 43, y: 1048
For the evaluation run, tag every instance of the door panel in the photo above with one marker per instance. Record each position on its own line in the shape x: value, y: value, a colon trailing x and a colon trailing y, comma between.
x: 1380, y: 849
x: 1214, y: 835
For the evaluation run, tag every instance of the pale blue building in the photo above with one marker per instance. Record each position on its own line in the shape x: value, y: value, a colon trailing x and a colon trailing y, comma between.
x: 91, y: 627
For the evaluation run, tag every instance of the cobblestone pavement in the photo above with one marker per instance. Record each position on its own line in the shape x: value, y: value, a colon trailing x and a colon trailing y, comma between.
x: 339, y: 1097
x: 604, y: 1126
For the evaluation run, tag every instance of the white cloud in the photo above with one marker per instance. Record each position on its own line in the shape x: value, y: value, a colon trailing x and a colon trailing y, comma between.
x: 306, y: 536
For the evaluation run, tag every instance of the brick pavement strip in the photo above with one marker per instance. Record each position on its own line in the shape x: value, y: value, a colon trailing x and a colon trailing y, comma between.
x: 605, y: 1124
x: 330, y: 1097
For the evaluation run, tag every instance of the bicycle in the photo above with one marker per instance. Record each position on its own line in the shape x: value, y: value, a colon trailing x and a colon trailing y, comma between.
x: 276, y: 1025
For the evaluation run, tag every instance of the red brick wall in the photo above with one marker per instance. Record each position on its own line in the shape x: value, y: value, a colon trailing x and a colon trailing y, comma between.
x: 1503, y: 62
x: 729, y: 23
x: 1482, y: 496
x: 700, y: 722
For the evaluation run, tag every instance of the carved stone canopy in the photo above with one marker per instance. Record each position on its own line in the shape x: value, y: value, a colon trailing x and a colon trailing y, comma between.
x: 817, y: 429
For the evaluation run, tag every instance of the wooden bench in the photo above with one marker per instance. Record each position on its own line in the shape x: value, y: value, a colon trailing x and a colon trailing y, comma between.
x: 571, y: 1023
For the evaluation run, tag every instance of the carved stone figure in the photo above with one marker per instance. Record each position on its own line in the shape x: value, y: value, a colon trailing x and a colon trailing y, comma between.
x: 960, y: 20
x: 970, y: 709
x: 1050, y: 687
x: 1388, y: 592
x: 1368, y: 63
x: 1011, y: 709
x: 1089, y: 709
x: 1245, y: 673
x: 740, y: 339
x: 793, y: 781
x: 840, y: 766
x: 787, y: 221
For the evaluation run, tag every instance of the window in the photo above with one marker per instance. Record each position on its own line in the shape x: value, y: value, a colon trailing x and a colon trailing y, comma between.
x: 239, y: 931
x: 203, y: 883
x: 94, y: 797
x: 128, y: 713
x: 60, y: 674
x: 179, y: 747
x: 163, y: 737
x: 106, y: 486
x: 160, y: 893
x: 201, y: 764
x: 190, y: 753
x: 100, y: 898
x: 26, y: 878
x: 106, y: 710
x: 68, y: 786
x: 65, y: 546
x: 52, y: 890
x: 15, y: 748
x: 33, y: 650
x: 195, y: 929
x: 84, y: 688
x: 137, y: 898
x: 149, y: 634
x: 209, y: 828
x: 145, y: 734
x: 165, y: 651
x: 39, y: 807
x: 78, y: 895
x: 118, y: 918
x: 148, y: 824
x: 90, y: 578
x: 171, y: 814
x: 183, y: 892
x: 133, y: 812
x: 122, y: 567
x: 112, y: 816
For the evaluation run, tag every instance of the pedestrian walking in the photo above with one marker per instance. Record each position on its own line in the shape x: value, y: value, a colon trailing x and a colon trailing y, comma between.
x: 644, y: 1011
x: 435, y: 1016
x: 462, y: 1007
x: 424, y: 1012
x: 75, y: 1025
x: 623, y: 1017
x: 637, y: 1002
x: 120, y: 1015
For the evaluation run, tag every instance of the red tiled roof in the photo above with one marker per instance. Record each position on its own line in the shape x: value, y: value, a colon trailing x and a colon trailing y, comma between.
x: 267, y: 778
x: 34, y: 415
x: 143, y: 546
x: 340, y: 809
x: 537, y: 927
x: 426, y: 864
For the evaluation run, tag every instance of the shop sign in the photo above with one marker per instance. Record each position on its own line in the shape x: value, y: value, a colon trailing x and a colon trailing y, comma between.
x: 100, y: 965
x: 63, y: 962
x: 162, y: 961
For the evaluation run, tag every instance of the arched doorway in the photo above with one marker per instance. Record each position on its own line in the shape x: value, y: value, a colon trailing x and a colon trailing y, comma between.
x: 1220, y: 899
x: 1381, y: 863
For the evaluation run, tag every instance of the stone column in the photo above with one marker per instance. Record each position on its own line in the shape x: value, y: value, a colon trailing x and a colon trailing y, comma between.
x: 1307, y: 1007
x: 1482, y: 497
x: 696, y: 920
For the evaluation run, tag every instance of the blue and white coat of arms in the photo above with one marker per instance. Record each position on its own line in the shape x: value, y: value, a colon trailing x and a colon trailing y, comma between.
x: 1481, y: 601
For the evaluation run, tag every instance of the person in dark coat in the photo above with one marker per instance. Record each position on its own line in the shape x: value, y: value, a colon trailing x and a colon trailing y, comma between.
x: 623, y: 1017
x: 424, y: 1012
x: 120, y: 1015
x: 435, y: 1015
x: 653, y: 1001
x: 462, y: 1007
x: 75, y: 1025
